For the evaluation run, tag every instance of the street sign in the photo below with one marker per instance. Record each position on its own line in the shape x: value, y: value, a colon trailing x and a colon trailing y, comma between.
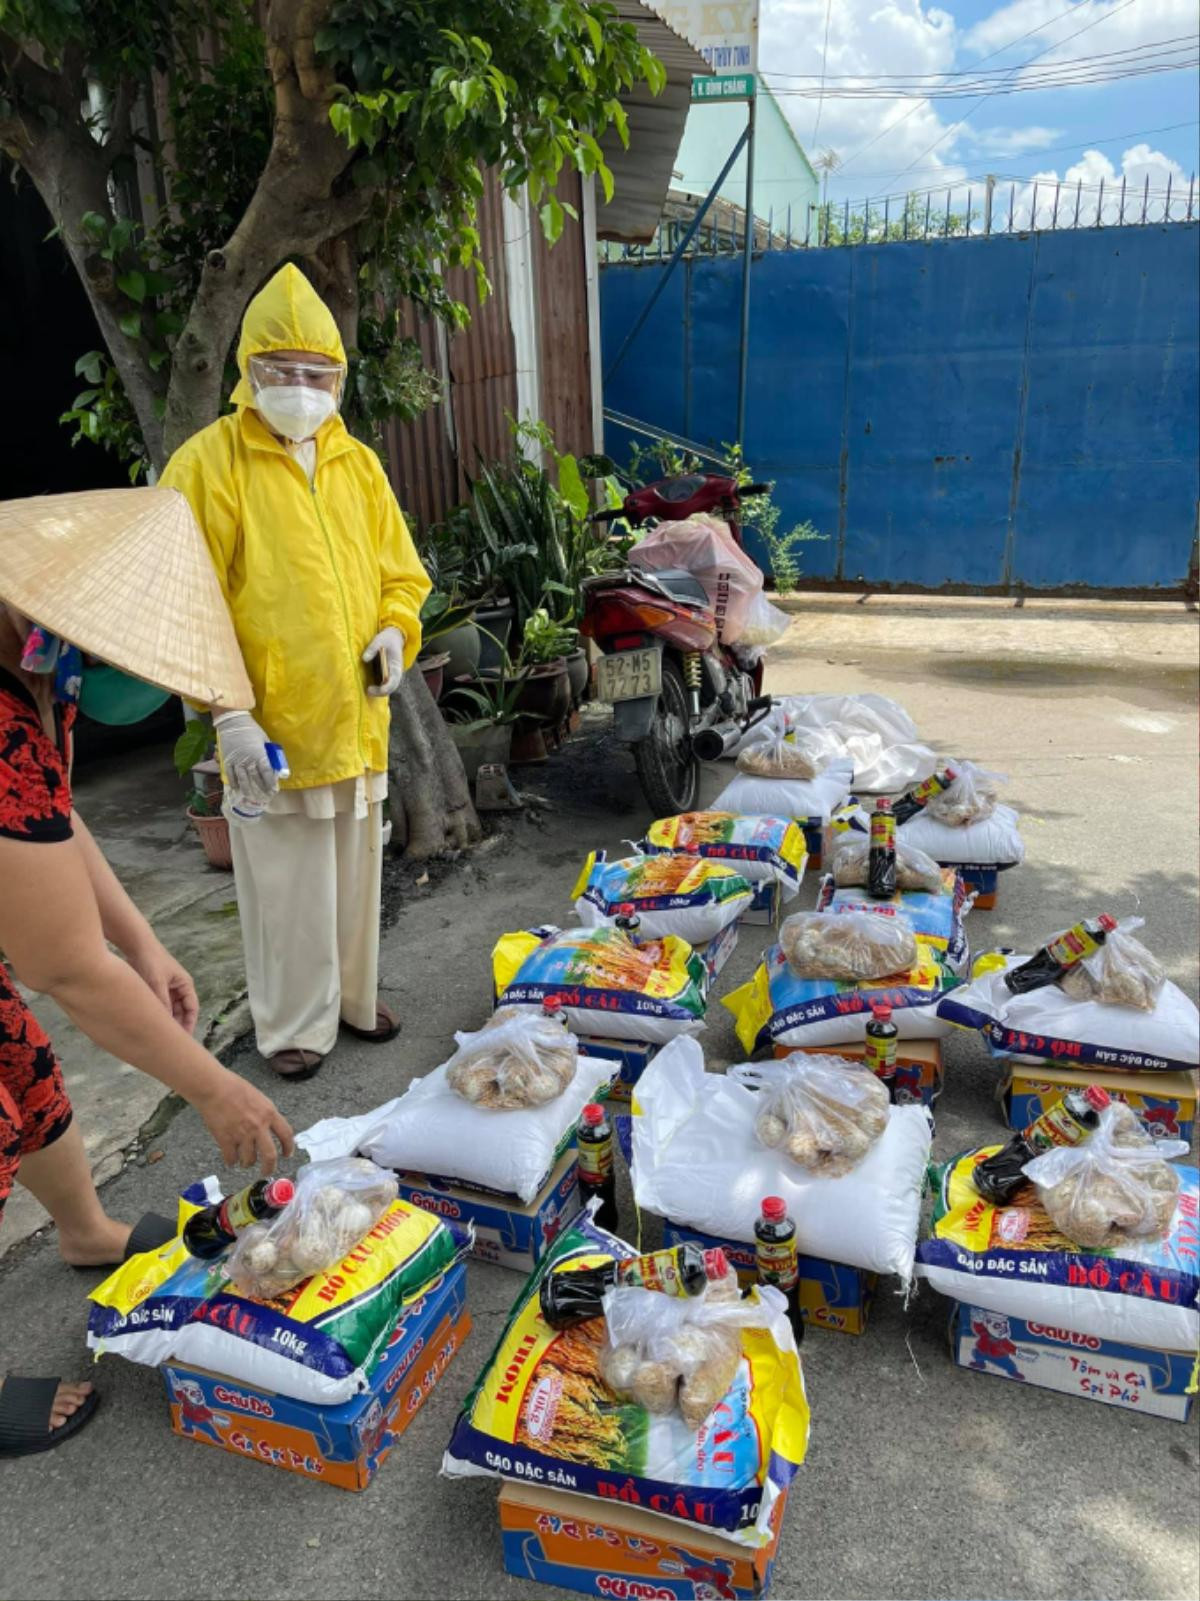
x: 725, y: 86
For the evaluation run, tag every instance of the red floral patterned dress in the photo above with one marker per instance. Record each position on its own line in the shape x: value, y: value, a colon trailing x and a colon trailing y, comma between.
x: 35, y: 806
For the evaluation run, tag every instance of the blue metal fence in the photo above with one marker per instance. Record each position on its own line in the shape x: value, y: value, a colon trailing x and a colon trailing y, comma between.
x: 1021, y: 415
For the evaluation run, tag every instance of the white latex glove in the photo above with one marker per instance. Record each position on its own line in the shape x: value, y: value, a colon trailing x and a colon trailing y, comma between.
x: 391, y: 642
x: 243, y: 751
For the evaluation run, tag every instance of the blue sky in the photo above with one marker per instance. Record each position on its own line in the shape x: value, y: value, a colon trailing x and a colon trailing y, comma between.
x: 1077, y: 134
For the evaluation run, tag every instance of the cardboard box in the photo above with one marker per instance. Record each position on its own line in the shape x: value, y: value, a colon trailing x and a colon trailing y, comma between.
x: 344, y: 1445
x: 714, y: 953
x: 1132, y: 1376
x: 605, y: 1548
x: 630, y: 1059
x: 508, y: 1231
x: 981, y: 879
x: 1165, y: 1102
x: 767, y: 904
x: 922, y: 1059
x: 832, y: 1295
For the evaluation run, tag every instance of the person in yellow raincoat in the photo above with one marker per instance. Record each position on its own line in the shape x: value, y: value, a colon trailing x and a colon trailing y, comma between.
x: 325, y: 588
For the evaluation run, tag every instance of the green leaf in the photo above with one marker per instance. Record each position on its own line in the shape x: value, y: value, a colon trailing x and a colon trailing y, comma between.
x: 134, y: 285
x: 130, y: 324
x: 552, y: 219
x: 193, y: 745
x: 571, y: 486
x: 91, y: 367
x: 606, y: 180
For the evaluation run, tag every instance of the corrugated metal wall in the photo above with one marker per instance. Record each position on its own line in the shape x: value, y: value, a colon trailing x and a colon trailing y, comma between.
x: 432, y: 457
x: 994, y: 414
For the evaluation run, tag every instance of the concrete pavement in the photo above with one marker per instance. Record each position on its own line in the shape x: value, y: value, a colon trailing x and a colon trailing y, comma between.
x: 922, y: 1480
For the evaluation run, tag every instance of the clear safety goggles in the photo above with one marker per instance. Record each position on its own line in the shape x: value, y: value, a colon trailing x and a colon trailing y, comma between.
x: 273, y: 372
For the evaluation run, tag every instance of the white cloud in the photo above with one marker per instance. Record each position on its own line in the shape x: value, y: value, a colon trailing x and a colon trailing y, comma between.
x: 1010, y: 141
x: 866, y: 38
x: 1111, y: 25
x: 1145, y: 173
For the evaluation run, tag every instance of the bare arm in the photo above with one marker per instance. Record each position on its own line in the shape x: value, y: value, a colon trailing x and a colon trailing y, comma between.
x: 51, y: 930
x: 126, y: 928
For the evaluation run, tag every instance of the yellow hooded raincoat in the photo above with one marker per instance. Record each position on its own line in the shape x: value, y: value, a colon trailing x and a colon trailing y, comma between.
x: 311, y: 574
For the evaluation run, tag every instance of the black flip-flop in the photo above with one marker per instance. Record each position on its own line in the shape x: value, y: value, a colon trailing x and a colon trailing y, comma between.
x: 149, y: 1232
x: 26, y: 1406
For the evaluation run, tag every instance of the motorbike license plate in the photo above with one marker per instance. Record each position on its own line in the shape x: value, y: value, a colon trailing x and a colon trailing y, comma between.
x: 629, y: 675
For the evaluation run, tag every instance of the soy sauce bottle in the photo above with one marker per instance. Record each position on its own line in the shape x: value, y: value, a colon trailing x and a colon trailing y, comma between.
x: 628, y: 921
x: 207, y: 1232
x: 880, y: 1046
x: 881, y: 858
x: 916, y: 800
x: 597, y: 1173
x: 1057, y: 955
x: 571, y: 1295
x: 1070, y: 1121
x: 775, y: 1257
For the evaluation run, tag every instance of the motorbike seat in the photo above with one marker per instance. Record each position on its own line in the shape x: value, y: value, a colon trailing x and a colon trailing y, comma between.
x: 680, y: 585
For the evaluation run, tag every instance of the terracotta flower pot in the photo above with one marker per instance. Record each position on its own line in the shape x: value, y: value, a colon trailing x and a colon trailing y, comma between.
x: 214, y: 836
x: 433, y: 670
x: 546, y: 693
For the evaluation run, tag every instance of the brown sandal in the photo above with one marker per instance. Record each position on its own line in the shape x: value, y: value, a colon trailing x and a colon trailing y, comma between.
x: 387, y: 1026
x: 296, y: 1064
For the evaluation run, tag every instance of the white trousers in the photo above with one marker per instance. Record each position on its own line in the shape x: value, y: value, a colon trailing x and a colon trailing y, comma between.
x: 308, y: 893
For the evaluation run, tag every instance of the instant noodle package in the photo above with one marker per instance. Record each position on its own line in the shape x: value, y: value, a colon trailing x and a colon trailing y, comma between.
x: 762, y: 848
x: 1049, y: 1023
x: 318, y: 1341
x: 686, y: 895
x: 699, y: 1160
x: 541, y: 1410
x: 607, y: 983
x: 778, y: 1007
x: 1015, y: 1261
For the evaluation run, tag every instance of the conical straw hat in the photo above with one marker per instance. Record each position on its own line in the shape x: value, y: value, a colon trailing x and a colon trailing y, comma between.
x: 125, y: 575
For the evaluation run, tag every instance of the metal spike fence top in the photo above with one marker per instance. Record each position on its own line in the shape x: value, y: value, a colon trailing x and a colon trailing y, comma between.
x: 901, y: 217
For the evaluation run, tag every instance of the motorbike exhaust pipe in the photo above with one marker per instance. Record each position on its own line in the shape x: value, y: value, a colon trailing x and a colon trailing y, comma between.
x: 710, y: 744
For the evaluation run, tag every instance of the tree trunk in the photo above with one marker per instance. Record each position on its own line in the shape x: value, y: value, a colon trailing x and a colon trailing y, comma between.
x: 432, y: 811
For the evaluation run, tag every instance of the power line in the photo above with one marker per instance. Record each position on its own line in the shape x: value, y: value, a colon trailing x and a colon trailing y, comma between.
x: 824, y: 59
x: 1030, y: 85
x: 972, y: 72
x: 912, y: 110
x: 941, y: 139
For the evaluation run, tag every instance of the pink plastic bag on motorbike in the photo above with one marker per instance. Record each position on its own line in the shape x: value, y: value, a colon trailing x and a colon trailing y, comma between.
x: 704, y: 547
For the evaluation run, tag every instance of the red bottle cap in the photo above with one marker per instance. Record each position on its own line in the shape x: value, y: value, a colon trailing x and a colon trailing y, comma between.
x: 692, y: 847
x: 279, y: 1192
x: 593, y: 1114
x: 1106, y: 922
x: 882, y: 1010
x: 1096, y: 1097
x: 774, y: 1208
x: 716, y: 1263
x: 883, y: 806
x: 625, y: 909
x: 951, y: 774
x: 552, y: 1004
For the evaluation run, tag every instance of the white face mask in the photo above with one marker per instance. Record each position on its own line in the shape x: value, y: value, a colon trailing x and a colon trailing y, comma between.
x: 294, y: 410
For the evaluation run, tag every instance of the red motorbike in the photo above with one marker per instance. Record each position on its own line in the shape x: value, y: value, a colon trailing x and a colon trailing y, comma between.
x: 679, y: 696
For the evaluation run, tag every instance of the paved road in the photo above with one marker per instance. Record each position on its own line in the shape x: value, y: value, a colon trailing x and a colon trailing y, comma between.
x: 922, y: 1480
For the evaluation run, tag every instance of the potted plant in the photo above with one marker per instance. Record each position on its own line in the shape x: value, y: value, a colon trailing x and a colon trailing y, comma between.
x: 204, y: 799
x: 448, y: 631
x: 544, y: 649
x: 487, y: 735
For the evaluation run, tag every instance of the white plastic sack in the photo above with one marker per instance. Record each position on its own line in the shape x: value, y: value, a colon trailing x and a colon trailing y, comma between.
x: 697, y: 1161
x: 703, y: 546
x: 1046, y: 1024
x: 787, y: 797
x: 995, y: 842
x: 429, y: 1129
x: 763, y: 624
x: 872, y: 732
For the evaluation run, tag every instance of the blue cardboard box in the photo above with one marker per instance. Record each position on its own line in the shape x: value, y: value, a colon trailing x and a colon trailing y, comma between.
x: 832, y: 1295
x: 508, y: 1231
x: 714, y: 953
x: 1130, y: 1376
x: 629, y: 1057
x: 343, y: 1445
x: 1165, y: 1102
